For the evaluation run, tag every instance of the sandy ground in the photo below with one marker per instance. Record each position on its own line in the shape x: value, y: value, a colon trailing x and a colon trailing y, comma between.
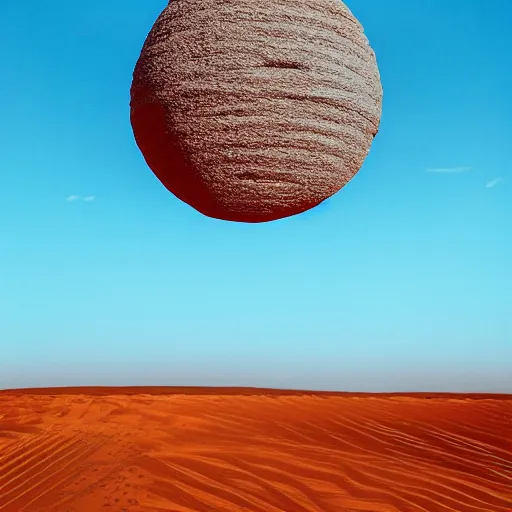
x: 209, y: 450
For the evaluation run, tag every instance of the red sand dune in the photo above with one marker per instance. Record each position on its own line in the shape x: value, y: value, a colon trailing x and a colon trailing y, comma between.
x: 209, y: 450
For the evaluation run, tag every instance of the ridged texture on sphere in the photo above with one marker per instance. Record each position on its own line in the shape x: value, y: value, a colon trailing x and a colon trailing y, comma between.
x: 254, y: 110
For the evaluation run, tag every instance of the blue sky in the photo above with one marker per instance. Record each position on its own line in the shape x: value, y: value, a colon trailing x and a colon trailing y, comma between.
x: 402, y: 281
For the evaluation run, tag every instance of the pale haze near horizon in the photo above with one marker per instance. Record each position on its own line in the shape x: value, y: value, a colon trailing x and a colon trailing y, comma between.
x: 400, y: 282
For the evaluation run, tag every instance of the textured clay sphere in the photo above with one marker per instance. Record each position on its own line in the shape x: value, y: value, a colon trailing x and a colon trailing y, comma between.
x: 255, y: 110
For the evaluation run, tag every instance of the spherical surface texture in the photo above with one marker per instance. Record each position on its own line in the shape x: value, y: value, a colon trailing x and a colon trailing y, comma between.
x: 253, y: 111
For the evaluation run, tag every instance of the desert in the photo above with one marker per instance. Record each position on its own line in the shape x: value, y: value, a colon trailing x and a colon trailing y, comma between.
x: 253, y: 450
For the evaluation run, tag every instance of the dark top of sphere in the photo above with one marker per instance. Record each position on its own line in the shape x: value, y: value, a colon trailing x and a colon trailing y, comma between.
x: 255, y: 110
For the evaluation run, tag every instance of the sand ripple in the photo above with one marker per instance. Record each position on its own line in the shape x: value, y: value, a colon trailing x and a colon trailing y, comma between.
x: 207, y: 450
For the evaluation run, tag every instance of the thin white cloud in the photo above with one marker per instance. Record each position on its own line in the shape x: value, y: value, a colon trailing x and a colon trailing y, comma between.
x: 493, y: 183
x: 87, y: 199
x: 449, y: 170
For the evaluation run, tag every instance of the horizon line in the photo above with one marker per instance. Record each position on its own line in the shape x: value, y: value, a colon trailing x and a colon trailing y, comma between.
x: 241, y: 391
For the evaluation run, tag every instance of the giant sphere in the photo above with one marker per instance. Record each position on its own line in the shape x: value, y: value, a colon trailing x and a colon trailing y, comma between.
x: 255, y: 110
